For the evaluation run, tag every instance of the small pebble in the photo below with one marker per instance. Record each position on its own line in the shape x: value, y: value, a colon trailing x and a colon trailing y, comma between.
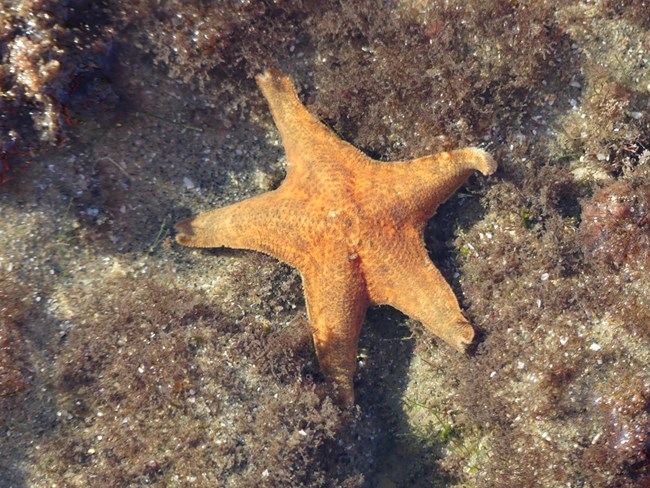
x: 189, y: 184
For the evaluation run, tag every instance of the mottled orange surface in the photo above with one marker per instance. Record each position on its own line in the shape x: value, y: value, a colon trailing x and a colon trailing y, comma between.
x: 353, y: 228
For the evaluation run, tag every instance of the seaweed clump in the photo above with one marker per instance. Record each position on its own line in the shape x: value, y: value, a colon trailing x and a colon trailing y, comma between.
x: 53, y: 65
x: 616, y: 226
x: 561, y: 375
x: 445, y: 95
x: 13, y: 314
x: 199, y: 42
x: 155, y: 385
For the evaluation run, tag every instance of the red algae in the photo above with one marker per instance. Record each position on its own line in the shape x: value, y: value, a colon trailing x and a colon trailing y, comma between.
x: 616, y: 226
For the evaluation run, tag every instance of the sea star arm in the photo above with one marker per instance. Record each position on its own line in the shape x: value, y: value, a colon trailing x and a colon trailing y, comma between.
x: 424, y: 183
x: 307, y: 141
x: 336, y: 304
x: 261, y: 223
x: 406, y: 279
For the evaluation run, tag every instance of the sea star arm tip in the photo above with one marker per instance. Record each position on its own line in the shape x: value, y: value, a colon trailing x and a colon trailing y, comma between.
x: 336, y: 304
x: 459, y: 334
x: 462, y: 162
x: 307, y: 141
x: 417, y: 288
x: 274, y: 80
x: 183, y: 233
x: 479, y: 159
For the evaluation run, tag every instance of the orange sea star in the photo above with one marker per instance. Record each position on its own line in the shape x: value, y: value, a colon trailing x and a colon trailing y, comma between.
x: 353, y: 228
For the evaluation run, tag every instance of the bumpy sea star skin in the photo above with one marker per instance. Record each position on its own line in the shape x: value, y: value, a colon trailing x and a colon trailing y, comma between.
x: 353, y: 228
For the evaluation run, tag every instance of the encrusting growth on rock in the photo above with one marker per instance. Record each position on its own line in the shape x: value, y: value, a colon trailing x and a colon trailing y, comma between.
x: 353, y: 228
